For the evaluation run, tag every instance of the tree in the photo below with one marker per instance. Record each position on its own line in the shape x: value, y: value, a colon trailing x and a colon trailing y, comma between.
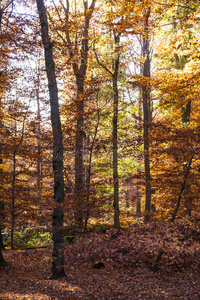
x: 115, y: 133
x: 80, y: 74
x: 177, y: 75
x: 17, y: 143
x: 57, y: 255
x: 114, y: 75
x: 73, y: 42
x: 146, y: 106
x: 2, y: 10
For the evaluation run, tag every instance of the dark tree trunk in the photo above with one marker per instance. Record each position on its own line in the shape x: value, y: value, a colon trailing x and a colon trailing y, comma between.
x: 1, y: 240
x: 1, y: 14
x: 180, y: 62
x: 3, y: 263
x: 58, y: 248
x: 186, y: 113
x: 39, y: 186
x: 88, y: 176
x: 13, y: 201
x: 2, y: 207
x: 146, y: 113
x: 79, y: 167
x: 2, y: 217
x: 115, y: 137
x: 139, y: 121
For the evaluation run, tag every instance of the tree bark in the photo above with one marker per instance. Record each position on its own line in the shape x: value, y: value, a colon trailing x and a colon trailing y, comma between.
x: 88, y: 176
x: 80, y: 73
x: 58, y: 248
x: 2, y: 217
x: 115, y: 137
x: 186, y: 113
x: 3, y: 263
x: 2, y: 209
x: 13, y: 201
x: 1, y: 160
x: 79, y: 166
x: 146, y: 113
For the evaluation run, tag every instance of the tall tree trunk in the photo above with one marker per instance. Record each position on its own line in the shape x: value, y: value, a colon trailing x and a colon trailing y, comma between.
x: 3, y: 263
x: 114, y: 76
x: 88, y: 176
x: 1, y: 161
x: 2, y: 217
x: 79, y: 167
x: 80, y: 73
x: 185, y: 110
x: 39, y: 187
x: 2, y: 212
x: 58, y: 248
x: 139, y: 121
x: 146, y: 113
x: 115, y: 136
x: 13, y: 201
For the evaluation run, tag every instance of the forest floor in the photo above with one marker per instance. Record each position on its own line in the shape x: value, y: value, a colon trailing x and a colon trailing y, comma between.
x: 127, y: 274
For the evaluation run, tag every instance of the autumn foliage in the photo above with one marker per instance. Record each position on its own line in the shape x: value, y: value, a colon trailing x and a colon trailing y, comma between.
x: 99, y: 144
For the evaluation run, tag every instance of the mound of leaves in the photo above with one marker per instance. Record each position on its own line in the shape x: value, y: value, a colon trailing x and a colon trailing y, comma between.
x: 164, y: 246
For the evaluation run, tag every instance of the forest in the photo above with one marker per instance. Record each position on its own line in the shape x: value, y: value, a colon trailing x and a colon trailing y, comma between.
x: 99, y: 149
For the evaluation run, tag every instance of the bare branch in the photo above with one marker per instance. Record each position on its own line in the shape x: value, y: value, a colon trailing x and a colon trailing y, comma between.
x: 101, y: 64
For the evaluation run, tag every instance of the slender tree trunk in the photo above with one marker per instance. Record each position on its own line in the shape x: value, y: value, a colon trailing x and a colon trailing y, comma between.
x: 1, y: 241
x: 1, y: 155
x: 186, y: 113
x: 146, y: 114
x: 2, y: 217
x: 58, y: 248
x: 1, y: 15
x: 88, y: 176
x: 115, y: 138
x: 3, y: 263
x: 79, y: 167
x: 2, y: 212
x: 115, y: 155
x: 13, y: 201
x: 1, y: 161
x: 38, y: 146
x: 138, y: 204
x: 186, y: 120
